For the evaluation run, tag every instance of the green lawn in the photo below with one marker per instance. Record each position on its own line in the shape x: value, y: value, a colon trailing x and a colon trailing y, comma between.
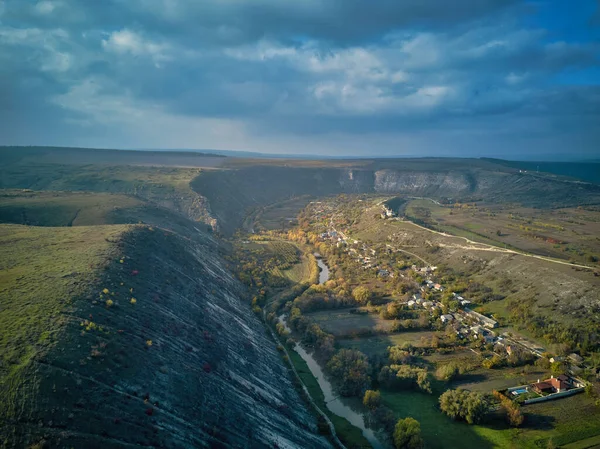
x: 378, y: 345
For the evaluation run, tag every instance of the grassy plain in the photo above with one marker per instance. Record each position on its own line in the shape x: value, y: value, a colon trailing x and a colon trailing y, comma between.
x: 378, y: 345
x: 343, y: 322
x: 41, y: 271
x: 282, y: 215
x: 568, y: 233
x: 62, y: 208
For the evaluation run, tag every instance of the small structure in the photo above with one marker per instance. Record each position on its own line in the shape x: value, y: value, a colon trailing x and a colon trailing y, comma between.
x: 575, y: 358
x: 411, y: 303
x: 446, y: 318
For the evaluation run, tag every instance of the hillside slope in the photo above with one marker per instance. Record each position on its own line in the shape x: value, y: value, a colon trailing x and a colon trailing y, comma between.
x: 184, y: 365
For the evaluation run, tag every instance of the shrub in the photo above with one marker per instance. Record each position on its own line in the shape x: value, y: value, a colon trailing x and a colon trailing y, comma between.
x: 372, y: 399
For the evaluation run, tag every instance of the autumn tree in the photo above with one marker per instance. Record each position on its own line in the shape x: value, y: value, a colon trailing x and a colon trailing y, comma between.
x: 407, y: 434
x: 361, y: 294
x: 512, y: 410
x: 352, y: 368
x: 372, y: 399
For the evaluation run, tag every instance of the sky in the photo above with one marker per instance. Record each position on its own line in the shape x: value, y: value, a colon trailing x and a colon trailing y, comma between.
x: 469, y: 78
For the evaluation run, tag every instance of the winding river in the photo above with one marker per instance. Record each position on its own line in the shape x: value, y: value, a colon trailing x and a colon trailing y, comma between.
x: 324, y: 273
x: 334, y: 403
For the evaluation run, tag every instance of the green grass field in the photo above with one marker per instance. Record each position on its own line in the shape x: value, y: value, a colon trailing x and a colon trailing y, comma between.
x: 379, y: 344
x: 62, y: 208
x: 41, y: 271
x: 343, y: 322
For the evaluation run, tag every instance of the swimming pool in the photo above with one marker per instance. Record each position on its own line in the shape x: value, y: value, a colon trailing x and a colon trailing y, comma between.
x: 519, y: 391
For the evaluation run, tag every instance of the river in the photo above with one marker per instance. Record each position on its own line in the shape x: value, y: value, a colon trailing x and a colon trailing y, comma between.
x: 333, y: 402
x: 324, y: 273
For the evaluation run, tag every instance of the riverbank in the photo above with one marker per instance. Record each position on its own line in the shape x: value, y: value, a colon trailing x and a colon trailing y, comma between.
x: 349, y: 424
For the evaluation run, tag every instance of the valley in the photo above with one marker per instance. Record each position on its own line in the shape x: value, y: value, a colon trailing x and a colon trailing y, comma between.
x: 177, y: 300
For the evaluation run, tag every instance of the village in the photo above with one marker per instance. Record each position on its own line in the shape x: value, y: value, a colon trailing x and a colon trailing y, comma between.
x: 465, y: 323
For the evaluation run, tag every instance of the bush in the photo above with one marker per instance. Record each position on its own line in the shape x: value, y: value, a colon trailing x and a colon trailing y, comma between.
x: 407, y: 434
x: 447, y: 372
x: 372, y: 399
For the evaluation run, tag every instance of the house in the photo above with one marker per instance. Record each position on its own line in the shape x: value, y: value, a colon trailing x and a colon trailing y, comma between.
x: 557, y: 359
x: 489, y: 339
x: 542, y: 387
x: 411, y: 303
x: 446, y: 318
x: 417, y: 296
x: 438, y: 287
x: 575, y: 358
x: 483, y: 320
x: 476, y: 330
x: 553, y: 385
x: 383, y: 273
x: 427, y: 304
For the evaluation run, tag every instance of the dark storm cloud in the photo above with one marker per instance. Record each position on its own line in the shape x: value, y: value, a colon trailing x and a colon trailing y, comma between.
x: 108, y: 71
x: 237, y: 21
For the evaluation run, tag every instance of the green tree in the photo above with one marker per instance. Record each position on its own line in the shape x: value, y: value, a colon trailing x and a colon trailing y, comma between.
x: 352, y: 368
x: 361, y: 294
x: 466, y: 405
x: 372, y: 399
x: 407, y: 434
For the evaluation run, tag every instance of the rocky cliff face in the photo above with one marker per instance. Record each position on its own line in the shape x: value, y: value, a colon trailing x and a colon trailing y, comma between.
x: 232, y: 193
x: 184, y: 365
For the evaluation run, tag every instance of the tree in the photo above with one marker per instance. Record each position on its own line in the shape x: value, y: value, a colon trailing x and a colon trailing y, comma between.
x: 514, y: 417
x: 407, y: 434
x: 372, y: 399
x: 352, y: 368
x: 361, y: 294
x: 466, y: 405
x: 447, y: 372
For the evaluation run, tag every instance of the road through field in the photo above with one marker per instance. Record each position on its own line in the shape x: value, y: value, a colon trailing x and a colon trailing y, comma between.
x: 486, y: 247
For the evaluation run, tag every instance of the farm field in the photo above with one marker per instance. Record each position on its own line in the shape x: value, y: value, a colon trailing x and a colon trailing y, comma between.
x: 378, y: 345
x: 282, y: 215
x: 343, y: 322
x: 568, y: 233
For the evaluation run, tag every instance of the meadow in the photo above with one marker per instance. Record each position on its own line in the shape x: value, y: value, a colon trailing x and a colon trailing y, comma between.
x: 42, y: 271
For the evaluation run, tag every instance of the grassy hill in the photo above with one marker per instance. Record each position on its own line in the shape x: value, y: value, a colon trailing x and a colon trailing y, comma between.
x: 119, y: 336
x: 43, y: 271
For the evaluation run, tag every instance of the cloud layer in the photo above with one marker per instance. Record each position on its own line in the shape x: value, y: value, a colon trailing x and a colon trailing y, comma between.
x: 417, y: 77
